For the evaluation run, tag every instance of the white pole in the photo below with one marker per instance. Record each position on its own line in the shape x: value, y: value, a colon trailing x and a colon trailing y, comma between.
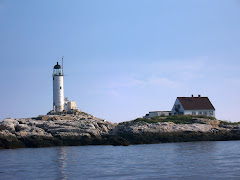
x: 62, y: 65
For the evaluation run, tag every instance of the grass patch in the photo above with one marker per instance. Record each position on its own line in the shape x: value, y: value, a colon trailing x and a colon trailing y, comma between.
x: 228, y: 123
x: 180, y: 119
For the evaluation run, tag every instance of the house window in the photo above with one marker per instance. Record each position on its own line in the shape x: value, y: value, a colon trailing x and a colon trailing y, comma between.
x: 211, y: 113
x: 205, y: 113
x: 200, y: 112
x: 193, y: 112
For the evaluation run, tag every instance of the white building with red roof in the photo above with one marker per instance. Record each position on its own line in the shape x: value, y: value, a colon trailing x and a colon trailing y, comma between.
x: 193, y: 106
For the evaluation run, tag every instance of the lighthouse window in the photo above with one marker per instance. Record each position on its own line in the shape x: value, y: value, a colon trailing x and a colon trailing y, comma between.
x: 53, y: 78
x: 60, y: 87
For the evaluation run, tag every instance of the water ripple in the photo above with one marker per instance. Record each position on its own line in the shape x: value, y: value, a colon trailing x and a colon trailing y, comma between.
x: 192, y: 160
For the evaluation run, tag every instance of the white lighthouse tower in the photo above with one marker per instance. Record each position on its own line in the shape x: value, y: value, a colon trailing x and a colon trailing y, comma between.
x: 58, y: 95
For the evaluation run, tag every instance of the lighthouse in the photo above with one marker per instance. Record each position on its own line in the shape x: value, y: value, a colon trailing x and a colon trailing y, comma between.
x: 58, y: 94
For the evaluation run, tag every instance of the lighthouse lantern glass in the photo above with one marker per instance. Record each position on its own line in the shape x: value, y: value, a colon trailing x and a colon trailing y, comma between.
x: 57, y: 72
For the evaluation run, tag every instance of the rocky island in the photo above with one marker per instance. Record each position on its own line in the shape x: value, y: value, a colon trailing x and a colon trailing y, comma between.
x: 80, y: 128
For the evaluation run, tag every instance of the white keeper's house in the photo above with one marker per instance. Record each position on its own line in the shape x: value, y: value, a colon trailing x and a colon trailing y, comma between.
x: 193, y: 106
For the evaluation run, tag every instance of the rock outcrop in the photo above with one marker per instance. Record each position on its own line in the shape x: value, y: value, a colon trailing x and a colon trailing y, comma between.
x: 199, y: 125
x: 79, y: 128
x: 201, y: 129
x: 53, y: 130
x: 162, y: 127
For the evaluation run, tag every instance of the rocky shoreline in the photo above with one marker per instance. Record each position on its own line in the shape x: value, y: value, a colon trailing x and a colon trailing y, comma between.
x: 80, y: 128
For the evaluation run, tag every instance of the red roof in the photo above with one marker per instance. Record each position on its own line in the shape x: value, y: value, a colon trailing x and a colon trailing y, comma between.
x: 195, y: 103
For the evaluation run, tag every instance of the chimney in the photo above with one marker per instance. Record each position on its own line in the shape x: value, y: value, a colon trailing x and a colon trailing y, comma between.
x: 192, y: 95
x: 199, y: 95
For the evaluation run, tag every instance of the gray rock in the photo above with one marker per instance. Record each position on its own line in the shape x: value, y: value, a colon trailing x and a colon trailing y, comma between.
x: 63, y: 125
x: 160, y: 127
x: 9, y: 124
x: 80, y: 128
x: 5, y: 134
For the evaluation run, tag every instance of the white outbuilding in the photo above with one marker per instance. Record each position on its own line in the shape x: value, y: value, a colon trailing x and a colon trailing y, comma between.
x: 157, y: 113
x: 69, y: 105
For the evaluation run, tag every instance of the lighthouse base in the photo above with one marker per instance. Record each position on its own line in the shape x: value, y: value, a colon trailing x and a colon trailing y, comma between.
x: 71, y: 111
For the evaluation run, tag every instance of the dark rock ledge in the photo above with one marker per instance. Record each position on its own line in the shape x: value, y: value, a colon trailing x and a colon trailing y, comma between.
x: 84, y: 129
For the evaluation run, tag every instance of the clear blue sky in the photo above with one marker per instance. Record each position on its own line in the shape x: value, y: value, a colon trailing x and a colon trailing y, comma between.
x: 122, y: 58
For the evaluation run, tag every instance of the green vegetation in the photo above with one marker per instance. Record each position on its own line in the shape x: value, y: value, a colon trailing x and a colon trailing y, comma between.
x: 180, y: 119
x: 229, y: 123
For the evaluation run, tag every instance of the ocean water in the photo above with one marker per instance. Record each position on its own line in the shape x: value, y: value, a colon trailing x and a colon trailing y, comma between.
x: 190, y: 160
